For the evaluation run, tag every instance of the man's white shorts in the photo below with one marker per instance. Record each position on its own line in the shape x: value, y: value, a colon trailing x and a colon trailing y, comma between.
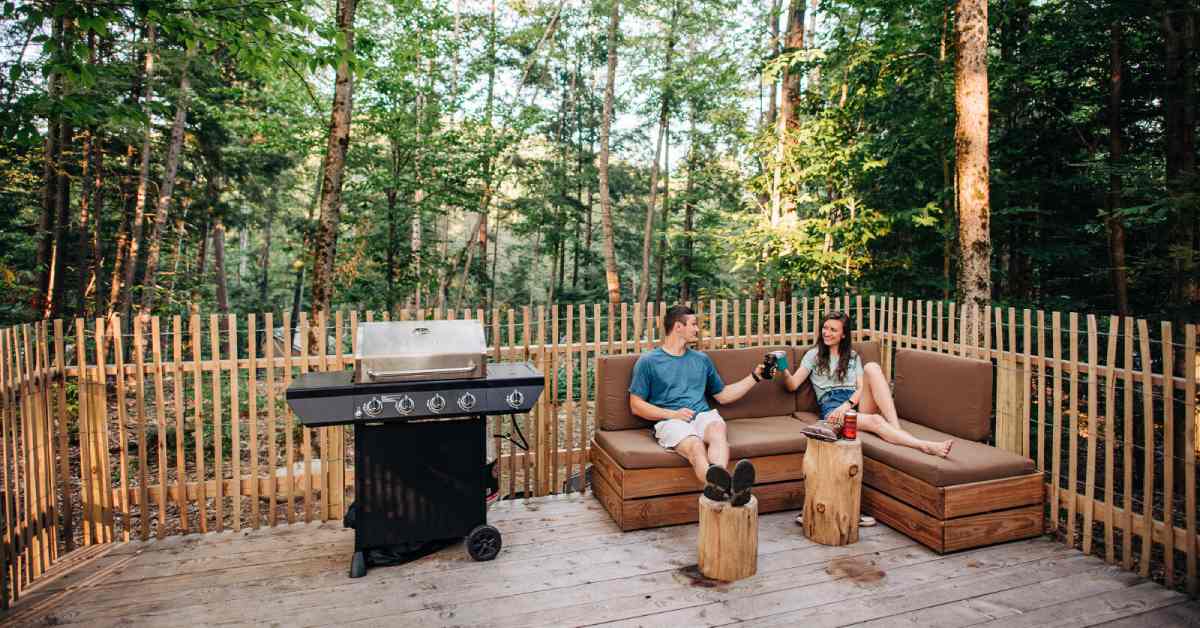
x: 671, y: 432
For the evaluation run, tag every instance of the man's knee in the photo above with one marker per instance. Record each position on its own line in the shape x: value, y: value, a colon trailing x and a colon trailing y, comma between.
x: 690, y: 448
x: 715, y: 433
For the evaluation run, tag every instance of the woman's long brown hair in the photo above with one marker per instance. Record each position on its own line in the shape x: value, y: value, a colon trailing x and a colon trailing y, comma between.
x: 844, y: 350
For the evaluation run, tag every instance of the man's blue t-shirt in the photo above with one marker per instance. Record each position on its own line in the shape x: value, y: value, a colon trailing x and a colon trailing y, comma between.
x: 673, y: 382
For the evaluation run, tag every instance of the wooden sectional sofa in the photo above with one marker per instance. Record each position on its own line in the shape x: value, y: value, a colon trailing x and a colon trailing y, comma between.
x: 978, y: 496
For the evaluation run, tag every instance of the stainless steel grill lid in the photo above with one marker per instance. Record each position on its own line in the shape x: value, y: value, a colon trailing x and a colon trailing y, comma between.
x: 420, y: 350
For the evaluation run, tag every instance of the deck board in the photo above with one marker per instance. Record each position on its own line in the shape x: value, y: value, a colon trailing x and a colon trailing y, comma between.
x: 565, y: 562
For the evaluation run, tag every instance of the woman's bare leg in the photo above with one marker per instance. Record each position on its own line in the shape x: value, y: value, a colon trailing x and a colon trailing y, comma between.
x: 896, y: 435
x: 875, y: 396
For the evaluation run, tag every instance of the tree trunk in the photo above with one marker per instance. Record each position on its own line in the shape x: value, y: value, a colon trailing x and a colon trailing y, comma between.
x: 784, y: 204
x: 119, y: 296
x: 219, y: 278
x: 264, y: 260
x: 1178, y: 25
x: 89, y: 219
x: 971, y: 148
x: 610, y: 259
x: 128, y: 183
x: 651, y: 207
x: 62, y: 204
x: 180, y: 234
x: 1116, y: 227
x: 772, y: 93
x: 51, y: 167
x: 664, y: 115
x: 331, y: 187
x: 666, y: 215
x: 950, y: 235
x: 814, y: 74
x: 91, y: 204
x: 689, y: 212
x: 793, y: 41
x: 165, y: 191
x: 393, y: 248
x: 202, y: 255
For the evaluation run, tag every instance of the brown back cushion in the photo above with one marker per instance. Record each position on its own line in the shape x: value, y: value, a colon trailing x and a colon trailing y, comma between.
x: 806, y: 398
x: 613, y: 374
x: 948, y: 393
x: 768, y: 398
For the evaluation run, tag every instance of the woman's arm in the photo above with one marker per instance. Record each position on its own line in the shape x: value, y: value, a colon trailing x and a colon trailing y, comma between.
x: 792, y: 381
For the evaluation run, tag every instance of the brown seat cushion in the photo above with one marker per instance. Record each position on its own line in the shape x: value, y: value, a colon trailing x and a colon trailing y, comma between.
x: 637, y: 449
x: 748, y: 438
x: 768, y: 398
x: 806, y: 398
x: 969, y: 461
x: 765, y: 436
x: 613, y: 374
x: 948, y: 393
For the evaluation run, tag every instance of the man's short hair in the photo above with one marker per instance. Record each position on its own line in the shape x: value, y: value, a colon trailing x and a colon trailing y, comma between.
x: 677, y: 314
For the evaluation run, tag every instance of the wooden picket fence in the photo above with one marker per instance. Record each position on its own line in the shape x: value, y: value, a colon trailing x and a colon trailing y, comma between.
x: 176, y: 426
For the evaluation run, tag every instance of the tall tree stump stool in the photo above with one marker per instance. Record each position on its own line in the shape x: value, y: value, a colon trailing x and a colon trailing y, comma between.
x: 832, y: 491
x: 728, y: 539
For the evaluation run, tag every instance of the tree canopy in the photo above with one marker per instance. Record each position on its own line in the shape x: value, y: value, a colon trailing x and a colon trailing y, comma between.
x: 170, y: 156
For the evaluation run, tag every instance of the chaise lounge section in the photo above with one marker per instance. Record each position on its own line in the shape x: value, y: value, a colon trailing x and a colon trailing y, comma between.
x: 980, y: 494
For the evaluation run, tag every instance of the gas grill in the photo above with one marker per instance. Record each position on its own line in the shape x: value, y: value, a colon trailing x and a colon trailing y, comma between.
x: 418, y: 399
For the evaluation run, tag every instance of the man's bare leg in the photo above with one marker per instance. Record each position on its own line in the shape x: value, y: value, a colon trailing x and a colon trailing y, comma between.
x: 875, y: 396
x: 718, y: 444
x: 693, y: 449
x: 881, y: 427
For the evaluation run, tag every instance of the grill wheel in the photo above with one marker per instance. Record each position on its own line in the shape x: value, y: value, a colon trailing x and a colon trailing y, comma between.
x: 483, y: 543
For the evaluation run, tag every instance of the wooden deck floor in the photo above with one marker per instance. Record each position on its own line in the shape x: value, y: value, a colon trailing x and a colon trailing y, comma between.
x: 565, y: 563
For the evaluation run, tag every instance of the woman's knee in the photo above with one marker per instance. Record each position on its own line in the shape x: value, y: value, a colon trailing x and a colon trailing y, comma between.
x: 870, y: 422
x: 873, y: 368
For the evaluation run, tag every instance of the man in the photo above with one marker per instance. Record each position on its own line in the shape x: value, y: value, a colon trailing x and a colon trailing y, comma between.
x: 669, y: 386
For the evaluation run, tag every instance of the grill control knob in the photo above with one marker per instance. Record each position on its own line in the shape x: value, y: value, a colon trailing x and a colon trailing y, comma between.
x: 436, y: 403
x: 515, y: 399
x: 466, y: 401
x: 373, y: 406
x: 405, y: 405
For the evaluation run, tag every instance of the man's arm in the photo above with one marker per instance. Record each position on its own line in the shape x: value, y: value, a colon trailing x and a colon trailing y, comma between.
x: 733, y: 392
x: 646, y: 410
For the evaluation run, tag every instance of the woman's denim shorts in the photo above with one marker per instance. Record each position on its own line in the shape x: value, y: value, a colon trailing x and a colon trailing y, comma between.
x: 833, y: 399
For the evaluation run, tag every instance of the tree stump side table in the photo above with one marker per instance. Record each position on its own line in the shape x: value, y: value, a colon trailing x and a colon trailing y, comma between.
x: 728, y: 539
x: 832, y: 491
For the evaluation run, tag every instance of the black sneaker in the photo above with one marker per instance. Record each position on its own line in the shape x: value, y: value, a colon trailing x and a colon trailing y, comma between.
x: 718, y: 483
x: 743, y: 481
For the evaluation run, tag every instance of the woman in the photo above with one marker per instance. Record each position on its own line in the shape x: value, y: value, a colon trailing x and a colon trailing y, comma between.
x: 845, y: 384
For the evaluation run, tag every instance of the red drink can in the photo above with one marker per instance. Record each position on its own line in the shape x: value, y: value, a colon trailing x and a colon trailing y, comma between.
x: 850, y: 425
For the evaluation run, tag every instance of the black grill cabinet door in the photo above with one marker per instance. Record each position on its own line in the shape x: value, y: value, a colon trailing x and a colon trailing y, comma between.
x: 418, y: 481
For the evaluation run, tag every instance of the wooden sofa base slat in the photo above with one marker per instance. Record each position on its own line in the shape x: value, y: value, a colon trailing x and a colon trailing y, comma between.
x: 956, y: 533
x: 954, y: 501
x: 665, y: 510
x: 634, y: 483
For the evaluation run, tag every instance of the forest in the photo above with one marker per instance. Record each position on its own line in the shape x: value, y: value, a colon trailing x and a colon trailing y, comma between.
x: 204, y: 156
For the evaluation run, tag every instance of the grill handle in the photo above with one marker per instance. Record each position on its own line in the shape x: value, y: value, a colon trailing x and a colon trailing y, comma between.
x: 373, y: 374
